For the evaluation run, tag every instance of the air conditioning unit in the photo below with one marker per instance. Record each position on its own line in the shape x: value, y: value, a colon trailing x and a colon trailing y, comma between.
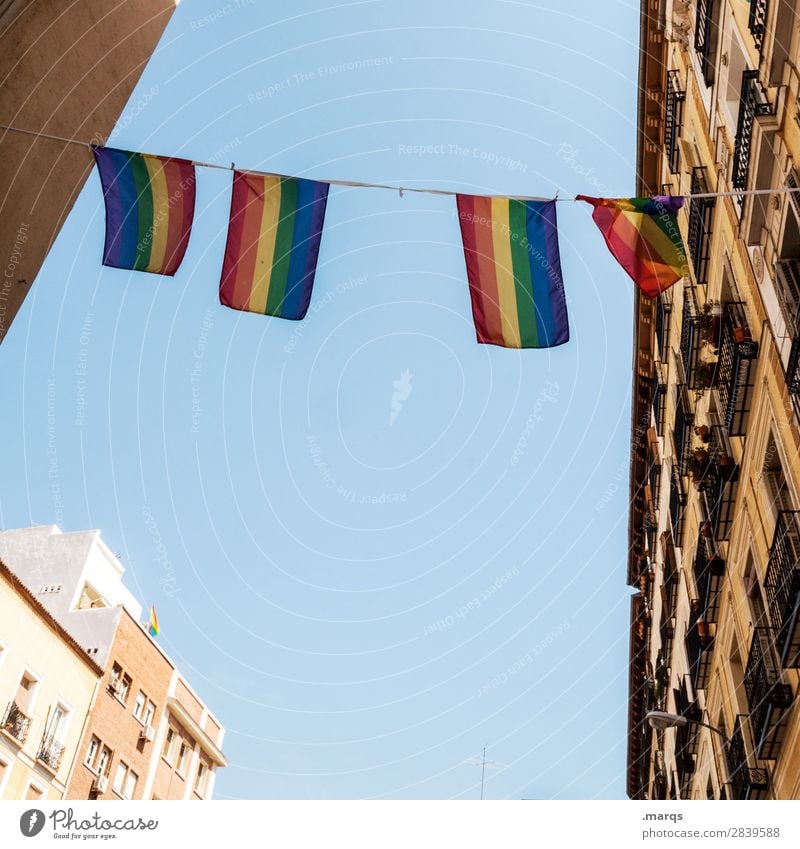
x: 100, y: 784
x: 148, y: 733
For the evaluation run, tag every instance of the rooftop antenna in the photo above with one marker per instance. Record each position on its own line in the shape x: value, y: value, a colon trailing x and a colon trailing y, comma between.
x: 482, y: 762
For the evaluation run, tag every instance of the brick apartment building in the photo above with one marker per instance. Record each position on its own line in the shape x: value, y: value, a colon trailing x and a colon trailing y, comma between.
x: 147, y: 734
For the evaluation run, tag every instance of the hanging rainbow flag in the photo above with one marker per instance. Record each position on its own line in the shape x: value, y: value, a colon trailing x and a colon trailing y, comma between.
x: 153, y: 625
x: 273, y: 242
x: 643, y: 236
x: 514, y: 271
x: 149, y: 209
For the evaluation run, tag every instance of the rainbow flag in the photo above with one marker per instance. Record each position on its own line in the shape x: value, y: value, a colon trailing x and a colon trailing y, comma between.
x: 273, y: 242
x: 514, y: 271
x: 149, y: 209
x: 153, y: 625
x: 643, y: 236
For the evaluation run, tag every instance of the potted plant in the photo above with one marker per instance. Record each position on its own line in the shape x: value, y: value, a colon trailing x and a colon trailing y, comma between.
x: 703, y: 432
x: 697, y: 465
x: 705, y: 375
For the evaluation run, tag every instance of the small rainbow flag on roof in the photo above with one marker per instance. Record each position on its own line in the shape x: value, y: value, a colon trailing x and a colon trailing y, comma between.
x: 643, y: 236
x: 273, y: 242
x: 514, y: 271
x: 149, y: 209
x: 153, y: 628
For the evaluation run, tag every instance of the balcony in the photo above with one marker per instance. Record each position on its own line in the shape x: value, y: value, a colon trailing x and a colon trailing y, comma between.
x: 746, y: 782
x: 659, y: 405
x: 757, y: 23
x: 682, y: 428
x: 677, y: 501
x: 705, y: 38
x: 16, y: 723
x: 768, y: 697
x: 752, y: 104
x: 673, y: 120
x: 720, y: 484
x: 699, y: 648
x: 701, y: 213
x: 50, y: 753
x: 787, y: 272
x: 709, y: 573
x: 690, y: 337
x: 736, y: 371
x: 663, y: 316
x: 782, y: 586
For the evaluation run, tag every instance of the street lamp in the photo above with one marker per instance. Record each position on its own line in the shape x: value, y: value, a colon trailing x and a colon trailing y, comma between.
x: 661, y: 719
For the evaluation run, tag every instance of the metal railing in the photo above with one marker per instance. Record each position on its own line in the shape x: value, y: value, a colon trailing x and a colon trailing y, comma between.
x: 705, y: 38
x: 50, y: 753
x: 757, y: 23
x: 767, y: 696
x: 682, y: 427
x: 663, y: 316
x: 746, y: 782
x: 16, y: 722
x: 677, y: 501
x: 690, y: 337
x: 736, y: 371
x: 701, y: 214
x: 699, y: 648
x: 673, y: 120
x: 782, y: 586
x: 752, y: 104
x: 709, y: 573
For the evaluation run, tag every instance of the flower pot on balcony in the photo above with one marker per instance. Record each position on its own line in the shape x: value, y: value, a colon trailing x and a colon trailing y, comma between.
x: 740, y: 334
x: 703, y: 432
x: 697, y: 466
x: 705, y: 375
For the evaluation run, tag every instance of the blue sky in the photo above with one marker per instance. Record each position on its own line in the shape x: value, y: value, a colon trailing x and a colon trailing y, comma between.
x: 365, y: 601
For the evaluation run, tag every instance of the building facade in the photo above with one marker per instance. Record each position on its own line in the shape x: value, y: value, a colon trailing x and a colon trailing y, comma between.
x: 145, y: 733
x: 714, y: 527
x: 47, y: 685
x: 67, y: 74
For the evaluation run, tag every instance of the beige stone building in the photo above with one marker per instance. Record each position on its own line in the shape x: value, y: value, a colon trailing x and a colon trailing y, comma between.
x: 65, y: 70
x: 715, y: 478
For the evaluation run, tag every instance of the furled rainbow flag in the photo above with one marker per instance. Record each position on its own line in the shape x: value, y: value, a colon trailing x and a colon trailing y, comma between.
x: 643, y: 236
x: 273, y: 242
x: 153, y: 625
x: 149, y: 209
x: 514, y: 271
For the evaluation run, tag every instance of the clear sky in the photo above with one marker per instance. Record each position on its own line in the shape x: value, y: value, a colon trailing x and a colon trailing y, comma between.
x: 365, y: 599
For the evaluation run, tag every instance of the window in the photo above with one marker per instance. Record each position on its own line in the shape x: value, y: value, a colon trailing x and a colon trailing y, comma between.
x: 25, y: 692
x: 58, y: 722
x: 34, y: 792
x: 774, y: 480
x: 201, y: 779
x: 125, y: 781
x: 90, y: 599
x: 138, y: 708
x: 169, y: 741
x: 183, y: 757
x: 105, y: 760
x: 119, y: 683
x: 149, y: 713
x: 92, y: 752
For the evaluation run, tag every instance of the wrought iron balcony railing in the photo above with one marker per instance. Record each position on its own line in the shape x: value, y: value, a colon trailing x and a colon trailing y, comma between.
x: 682, y: 428
x: 659, y: 403
x: 50, y: 753
x: 690, y: 334
x: 788, y: 278
x: 709, y: 573
x: 737, y: 355
x: 677, y: 502
x: 752, y: 104
x: 16, y: 722
x: 757, y: 23
x: 663, y: 316
x: 701, y: 214
x: 782, y: 585
x: 721, y: 484
x: 746, y: 782
x: 705, y: 38
x: 699, y: 648
x: 673, y: 120
x: 768, y: 697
